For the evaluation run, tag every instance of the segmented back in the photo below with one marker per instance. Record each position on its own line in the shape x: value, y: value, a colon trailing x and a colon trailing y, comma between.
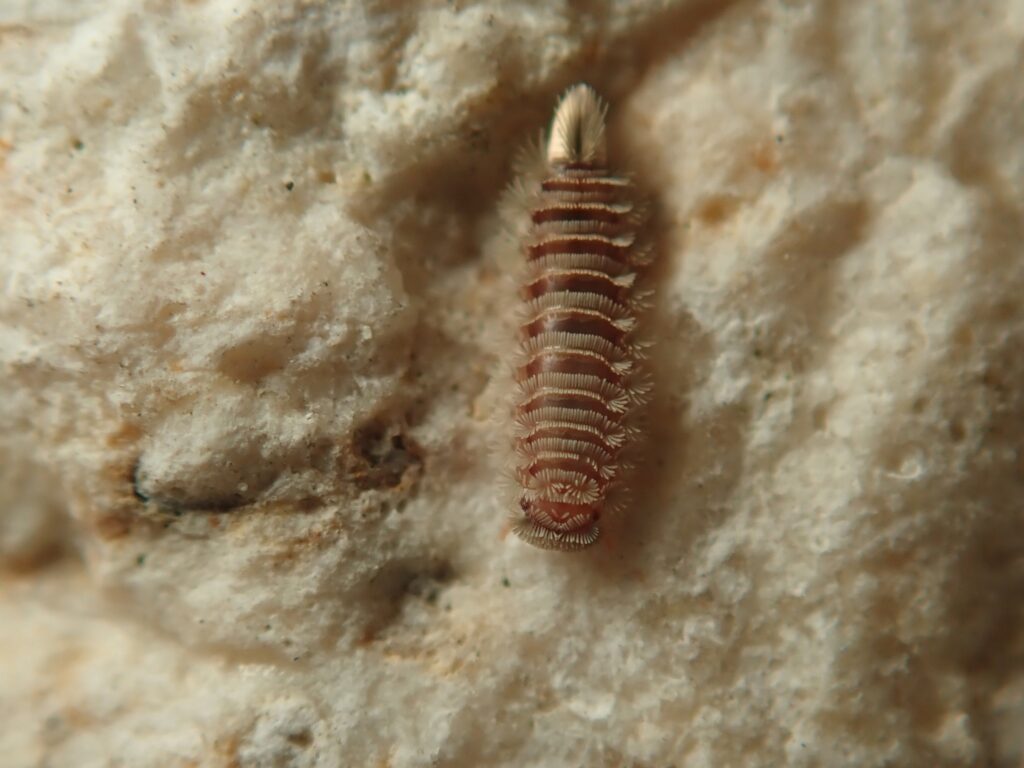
x: 577, y: 372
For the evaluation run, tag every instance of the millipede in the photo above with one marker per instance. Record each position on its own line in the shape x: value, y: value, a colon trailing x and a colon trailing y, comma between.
x: 577, y: 374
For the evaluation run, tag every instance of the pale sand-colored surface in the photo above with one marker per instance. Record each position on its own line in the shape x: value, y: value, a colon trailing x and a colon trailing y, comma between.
x: 249, y: 256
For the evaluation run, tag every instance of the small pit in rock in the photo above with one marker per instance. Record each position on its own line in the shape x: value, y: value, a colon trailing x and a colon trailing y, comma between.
x: 383, y: 457
x: 408, y: 593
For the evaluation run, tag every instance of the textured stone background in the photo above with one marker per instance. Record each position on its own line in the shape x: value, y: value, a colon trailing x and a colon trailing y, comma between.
x: 253, y: 355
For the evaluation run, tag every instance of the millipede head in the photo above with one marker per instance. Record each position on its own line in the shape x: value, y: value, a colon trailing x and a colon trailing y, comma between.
x: 545, y: 538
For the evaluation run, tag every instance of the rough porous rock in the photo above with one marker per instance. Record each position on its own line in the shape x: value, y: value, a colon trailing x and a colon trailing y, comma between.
x: 254, y: 355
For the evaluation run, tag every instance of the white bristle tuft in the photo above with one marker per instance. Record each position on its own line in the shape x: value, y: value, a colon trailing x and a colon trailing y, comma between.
x: 577, y: 132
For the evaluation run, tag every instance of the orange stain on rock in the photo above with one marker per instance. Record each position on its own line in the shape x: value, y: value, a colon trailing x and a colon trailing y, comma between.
x: 765, y: 157
x: 716, y: 209
x: 127, y: 433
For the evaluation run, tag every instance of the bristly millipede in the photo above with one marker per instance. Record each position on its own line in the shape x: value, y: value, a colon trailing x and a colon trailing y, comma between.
x: 576, y: 375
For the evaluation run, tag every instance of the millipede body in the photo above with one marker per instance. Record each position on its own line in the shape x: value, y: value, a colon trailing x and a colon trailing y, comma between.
x: 576, y: 375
